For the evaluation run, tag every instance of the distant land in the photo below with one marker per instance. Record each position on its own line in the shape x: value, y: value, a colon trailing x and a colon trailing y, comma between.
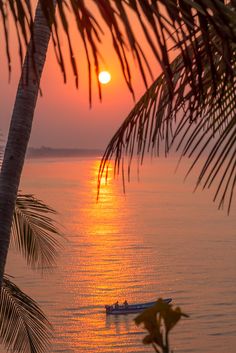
x: 43, y: 151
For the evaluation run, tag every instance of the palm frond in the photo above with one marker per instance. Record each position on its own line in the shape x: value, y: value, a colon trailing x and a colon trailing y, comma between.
x: 181, y: 22
x: 23, y: 326
x: 200, y: 120
x: 34, y: 233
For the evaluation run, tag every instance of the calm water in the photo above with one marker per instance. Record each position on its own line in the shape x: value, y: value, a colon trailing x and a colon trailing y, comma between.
x: 159, y: 240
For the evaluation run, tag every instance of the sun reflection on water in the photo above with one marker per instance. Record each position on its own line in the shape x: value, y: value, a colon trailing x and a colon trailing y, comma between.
x: 103, y: 254
x: 132, y: 248
x: 104, y: 225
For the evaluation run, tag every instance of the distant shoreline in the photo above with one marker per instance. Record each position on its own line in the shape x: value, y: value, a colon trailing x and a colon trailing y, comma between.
x: 62, y: 152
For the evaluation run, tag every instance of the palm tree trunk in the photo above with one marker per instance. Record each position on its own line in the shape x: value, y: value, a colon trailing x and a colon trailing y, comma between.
x: 20, y: 129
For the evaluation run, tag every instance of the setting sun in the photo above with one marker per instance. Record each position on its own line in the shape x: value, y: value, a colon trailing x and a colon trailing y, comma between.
x: 104, y: 77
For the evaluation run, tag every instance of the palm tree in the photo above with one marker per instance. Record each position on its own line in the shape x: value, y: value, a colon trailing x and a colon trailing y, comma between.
x: 197, y: 112
x: 23, y: 326
x: 45, y: 24
x: 30, y: 323
x: 200, y: 80
x: 34, y: 232
x: 20, y: 126
x: 181, y: 21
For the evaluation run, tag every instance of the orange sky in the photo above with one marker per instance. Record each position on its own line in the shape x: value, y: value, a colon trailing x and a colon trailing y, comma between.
x: 63, y: 117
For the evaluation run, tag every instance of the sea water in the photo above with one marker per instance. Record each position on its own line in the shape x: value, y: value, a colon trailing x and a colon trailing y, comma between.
x: 159, y: 239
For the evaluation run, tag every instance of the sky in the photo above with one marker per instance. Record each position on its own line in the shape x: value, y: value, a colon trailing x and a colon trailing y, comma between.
x: 63, y: 117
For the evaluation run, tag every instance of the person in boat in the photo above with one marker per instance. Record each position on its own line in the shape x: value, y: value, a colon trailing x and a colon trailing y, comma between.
x: 117, y: 305
x: 126, y: 304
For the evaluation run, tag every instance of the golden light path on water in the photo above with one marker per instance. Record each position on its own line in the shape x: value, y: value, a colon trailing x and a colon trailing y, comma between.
x: 108, y: 265
x: 158, y: 240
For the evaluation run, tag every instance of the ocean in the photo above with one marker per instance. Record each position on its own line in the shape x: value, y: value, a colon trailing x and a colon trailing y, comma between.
x: 159, y: 239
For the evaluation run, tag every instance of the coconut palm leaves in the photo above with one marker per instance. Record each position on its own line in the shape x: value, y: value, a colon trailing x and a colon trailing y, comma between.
x: 198, y: 115
x: 34, y: 233
x: 179, y: 21
x: 23, y: 326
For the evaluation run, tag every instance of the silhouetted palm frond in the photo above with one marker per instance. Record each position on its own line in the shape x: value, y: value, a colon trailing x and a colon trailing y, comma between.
x: 199, y: 119
x: 34, y: 233
x: 23, y: 326
x: 181, y: 22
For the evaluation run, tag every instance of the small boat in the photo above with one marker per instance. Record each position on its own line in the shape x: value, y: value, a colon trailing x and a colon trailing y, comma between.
x: 117, y: 309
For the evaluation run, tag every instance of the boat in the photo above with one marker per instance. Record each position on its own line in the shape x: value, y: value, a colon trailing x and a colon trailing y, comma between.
x: 117, y: 309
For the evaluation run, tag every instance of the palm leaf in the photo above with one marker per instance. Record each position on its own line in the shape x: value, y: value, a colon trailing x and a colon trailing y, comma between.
x: 23, y: 326
x: 199, y: 119
x: 180, y: 21
x: 34, y: 233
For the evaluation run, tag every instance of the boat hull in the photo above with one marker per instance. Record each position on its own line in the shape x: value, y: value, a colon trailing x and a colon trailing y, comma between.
x: 131, y: 308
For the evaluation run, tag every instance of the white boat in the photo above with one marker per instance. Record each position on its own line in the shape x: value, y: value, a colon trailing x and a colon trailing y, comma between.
x: 116, y: 309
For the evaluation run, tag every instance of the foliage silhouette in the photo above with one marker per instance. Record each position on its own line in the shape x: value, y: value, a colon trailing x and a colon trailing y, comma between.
x: 159, y: 320
x: 197, y: 116
x: 24, y: 327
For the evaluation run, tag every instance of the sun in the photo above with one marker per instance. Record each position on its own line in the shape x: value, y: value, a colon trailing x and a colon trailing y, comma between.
x: 104, y: 77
